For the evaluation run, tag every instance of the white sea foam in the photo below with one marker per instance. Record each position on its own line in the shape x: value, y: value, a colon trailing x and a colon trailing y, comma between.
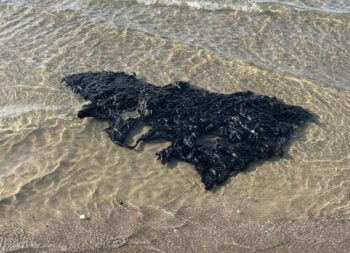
x: 246, y: 5
x: 331, y: 6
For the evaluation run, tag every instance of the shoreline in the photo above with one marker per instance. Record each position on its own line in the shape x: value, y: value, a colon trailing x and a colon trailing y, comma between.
x: 129, y: 228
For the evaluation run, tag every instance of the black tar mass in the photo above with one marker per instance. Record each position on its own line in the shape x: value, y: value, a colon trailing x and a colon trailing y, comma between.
x: 221, y: 134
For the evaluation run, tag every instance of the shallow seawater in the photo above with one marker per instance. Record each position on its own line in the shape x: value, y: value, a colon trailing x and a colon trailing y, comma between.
x: 54, y: 166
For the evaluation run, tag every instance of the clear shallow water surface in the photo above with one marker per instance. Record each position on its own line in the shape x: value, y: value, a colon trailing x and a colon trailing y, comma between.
x: 54, y: 166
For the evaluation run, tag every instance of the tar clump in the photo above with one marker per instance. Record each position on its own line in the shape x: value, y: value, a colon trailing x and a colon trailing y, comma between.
x: 221, y: 134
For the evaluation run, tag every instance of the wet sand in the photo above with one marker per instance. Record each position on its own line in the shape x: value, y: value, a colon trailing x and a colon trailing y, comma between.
x: 129, y: 228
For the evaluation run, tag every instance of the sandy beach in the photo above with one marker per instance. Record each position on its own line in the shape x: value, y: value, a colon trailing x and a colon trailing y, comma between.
x: 130, y: 228
x: 55, y: 167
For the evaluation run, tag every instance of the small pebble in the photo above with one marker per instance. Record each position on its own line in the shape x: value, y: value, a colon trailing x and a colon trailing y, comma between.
x: 84, y: 217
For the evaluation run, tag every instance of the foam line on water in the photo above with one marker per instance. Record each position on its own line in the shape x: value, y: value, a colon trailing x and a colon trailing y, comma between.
x: 252, y: 5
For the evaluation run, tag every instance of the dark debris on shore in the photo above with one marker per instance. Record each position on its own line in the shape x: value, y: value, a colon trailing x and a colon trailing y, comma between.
x: 221, y: 134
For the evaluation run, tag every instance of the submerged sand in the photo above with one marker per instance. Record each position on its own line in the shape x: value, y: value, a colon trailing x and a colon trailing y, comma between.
x: 54, y: 166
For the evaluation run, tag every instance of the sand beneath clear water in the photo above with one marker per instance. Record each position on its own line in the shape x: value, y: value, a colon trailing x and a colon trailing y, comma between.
x: 54, y: 166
